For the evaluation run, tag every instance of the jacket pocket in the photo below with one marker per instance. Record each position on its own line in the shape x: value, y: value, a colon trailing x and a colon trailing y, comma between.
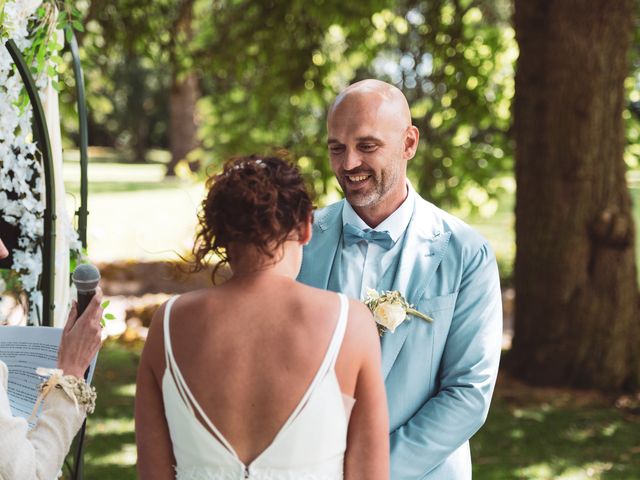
x: 441, y: 303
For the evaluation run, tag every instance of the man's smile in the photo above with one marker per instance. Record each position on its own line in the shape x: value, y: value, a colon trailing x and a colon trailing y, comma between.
x: 357, y: 178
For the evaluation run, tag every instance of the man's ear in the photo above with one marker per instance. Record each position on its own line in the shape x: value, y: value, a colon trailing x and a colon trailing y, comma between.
x: 411, y: 139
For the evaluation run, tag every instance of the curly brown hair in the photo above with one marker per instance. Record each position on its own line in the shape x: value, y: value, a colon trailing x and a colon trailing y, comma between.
x: 255, y: 200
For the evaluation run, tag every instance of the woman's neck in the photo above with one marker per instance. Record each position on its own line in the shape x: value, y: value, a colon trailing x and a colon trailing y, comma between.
x: 261, y: 273
x: 250, y: 262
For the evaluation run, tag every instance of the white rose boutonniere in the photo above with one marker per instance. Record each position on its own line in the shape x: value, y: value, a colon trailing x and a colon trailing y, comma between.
x: 390, y: 309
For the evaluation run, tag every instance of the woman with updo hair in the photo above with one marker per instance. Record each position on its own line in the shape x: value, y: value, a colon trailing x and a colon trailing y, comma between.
x: 260, y: 377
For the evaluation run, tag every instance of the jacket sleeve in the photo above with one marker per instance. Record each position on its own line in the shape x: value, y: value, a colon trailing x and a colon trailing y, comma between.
x: 37, y: 453
x: 466, y: 377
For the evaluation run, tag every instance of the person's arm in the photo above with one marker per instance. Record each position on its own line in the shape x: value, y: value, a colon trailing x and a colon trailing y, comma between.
x: 367, y: 454
x: 39, y: 453
x: 467, y: 376
x: 155, y: 451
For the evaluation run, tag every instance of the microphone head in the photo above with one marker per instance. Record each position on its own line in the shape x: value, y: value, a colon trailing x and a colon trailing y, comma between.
x: 85, y: 277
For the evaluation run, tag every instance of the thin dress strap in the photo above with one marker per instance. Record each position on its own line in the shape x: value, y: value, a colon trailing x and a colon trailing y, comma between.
x: 341, y: 328
x: 183, y: 389
x: 170, y: 361
x: 327, y: 364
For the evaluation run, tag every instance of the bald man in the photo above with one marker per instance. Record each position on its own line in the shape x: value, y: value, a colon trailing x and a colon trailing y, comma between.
x: 439, y: 376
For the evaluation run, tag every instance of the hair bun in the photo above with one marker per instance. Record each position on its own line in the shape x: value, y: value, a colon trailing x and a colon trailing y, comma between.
x: 255, y: 200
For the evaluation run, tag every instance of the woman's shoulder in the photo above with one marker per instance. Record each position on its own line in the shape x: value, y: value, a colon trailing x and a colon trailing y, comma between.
x: 179, y: 302
x: 361, y: 335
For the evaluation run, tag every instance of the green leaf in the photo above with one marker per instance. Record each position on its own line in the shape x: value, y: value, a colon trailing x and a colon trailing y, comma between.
x: 68, y: 34
x: 105, y: 304
x: 102, y: 323
x: 109, y: 316
x: 78, y: 26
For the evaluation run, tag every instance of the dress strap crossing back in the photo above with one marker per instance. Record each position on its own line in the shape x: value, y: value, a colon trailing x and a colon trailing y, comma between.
x: 327, y: 366
x: 168, y: 351
x: 329, y: 359
x: 341, y: 328
x: 188, y: 397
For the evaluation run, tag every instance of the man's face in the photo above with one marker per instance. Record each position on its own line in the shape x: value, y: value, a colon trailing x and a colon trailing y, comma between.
x: 366, y: 145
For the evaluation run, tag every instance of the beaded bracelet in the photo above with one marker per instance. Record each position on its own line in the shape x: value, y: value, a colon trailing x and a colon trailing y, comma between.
x: 75, y: 388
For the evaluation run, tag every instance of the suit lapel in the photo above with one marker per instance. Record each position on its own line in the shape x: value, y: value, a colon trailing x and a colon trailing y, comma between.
x: 425, y: 244
x: 319, y: 256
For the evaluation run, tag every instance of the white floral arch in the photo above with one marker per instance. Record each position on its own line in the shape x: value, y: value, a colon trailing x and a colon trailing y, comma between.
x: 21, y: 174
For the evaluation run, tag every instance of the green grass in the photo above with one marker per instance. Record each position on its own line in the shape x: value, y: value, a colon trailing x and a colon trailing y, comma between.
x: 134, y: 212
x: 541, y: 441
x: 110, y: 451
x: 552, y: 434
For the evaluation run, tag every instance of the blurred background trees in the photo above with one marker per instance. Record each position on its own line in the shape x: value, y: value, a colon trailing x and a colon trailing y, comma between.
x: 211, y: 79
x: 202, y: 80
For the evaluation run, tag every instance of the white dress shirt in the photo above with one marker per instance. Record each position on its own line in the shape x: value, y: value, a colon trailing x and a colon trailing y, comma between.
x: 363, y: 264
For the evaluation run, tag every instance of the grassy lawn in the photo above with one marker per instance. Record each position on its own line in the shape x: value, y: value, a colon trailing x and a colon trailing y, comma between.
x: 537, y: 434
x: 110, y: 451
x: 558, y: 435
x: 134, y: 212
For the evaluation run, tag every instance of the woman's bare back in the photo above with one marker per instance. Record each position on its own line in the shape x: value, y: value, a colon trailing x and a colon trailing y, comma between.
x: 249, y: 350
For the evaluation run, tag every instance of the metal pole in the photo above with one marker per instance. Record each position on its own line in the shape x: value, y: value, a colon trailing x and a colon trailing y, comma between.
x: 77, y: 473
x: 41, y: 135
x: 82, y: 212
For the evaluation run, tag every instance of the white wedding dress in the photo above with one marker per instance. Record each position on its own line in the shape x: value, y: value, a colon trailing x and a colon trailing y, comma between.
x: 309, y: 446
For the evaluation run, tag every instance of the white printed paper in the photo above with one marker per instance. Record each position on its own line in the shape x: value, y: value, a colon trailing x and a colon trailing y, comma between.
x: 23, y: 349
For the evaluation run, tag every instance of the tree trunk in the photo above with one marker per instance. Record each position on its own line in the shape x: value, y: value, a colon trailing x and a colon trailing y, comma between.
x: 183, y: 127
x: 577, y: 301
x: 185, y: 91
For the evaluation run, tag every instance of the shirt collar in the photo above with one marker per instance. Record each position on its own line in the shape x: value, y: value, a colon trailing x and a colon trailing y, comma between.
x: 395, y: 224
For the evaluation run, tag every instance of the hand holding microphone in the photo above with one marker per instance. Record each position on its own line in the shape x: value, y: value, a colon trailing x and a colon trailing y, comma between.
x: 81, y: 338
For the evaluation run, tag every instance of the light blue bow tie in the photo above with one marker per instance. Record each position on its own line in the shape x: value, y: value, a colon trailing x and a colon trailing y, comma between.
x: 354, y: 235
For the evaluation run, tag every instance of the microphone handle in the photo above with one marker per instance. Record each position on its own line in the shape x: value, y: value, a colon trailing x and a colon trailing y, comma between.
x: 84, y: 298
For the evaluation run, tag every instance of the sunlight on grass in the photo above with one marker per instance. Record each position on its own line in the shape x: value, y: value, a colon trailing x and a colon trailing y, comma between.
x: 126, y: 390
x: 111, y: 426
x: 535, y: 414
x: 127, y: 455
x: 559, y: 471
x: 534, y: 472
x: 587, y: 471
x: 144, y: 224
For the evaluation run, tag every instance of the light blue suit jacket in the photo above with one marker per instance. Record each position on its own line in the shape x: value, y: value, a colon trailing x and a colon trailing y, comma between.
x: 439, y: 376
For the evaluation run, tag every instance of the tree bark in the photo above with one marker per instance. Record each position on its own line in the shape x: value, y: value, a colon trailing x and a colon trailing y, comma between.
x: 184, y: 94
x: 183, y: 127
x: 577, y: 301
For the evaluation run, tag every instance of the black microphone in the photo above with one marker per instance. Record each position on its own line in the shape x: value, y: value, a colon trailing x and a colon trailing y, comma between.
x: 86, y: 278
